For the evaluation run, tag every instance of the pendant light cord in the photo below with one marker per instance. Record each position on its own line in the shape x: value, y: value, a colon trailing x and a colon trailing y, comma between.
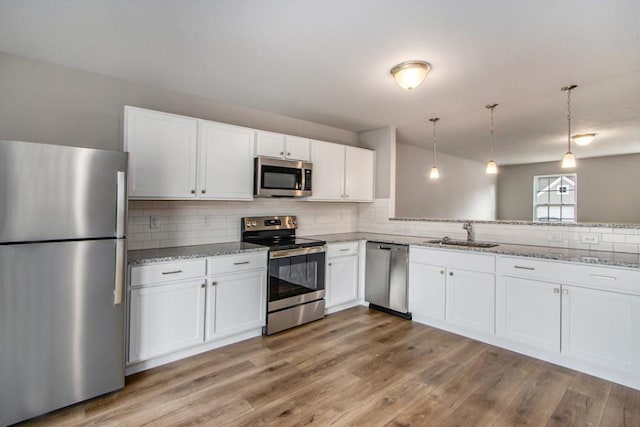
x: 568, y: 89
x: 491, y: 139
x: 434, y: 120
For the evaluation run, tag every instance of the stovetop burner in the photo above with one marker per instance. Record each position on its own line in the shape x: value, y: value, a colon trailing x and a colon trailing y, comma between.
x: 276, y: 232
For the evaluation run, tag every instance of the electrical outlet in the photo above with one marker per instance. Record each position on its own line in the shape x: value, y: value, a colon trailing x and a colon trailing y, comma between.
x: 554, y: 237
x: 154, y: 221
x: 205, y: 221
x: 590, y: 238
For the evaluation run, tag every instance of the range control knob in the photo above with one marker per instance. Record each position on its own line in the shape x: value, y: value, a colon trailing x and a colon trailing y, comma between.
x: 254, y: 223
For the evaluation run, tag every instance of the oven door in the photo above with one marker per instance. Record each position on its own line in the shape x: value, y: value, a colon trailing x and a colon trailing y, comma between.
x: 282, y: 178
x: 296, y: 276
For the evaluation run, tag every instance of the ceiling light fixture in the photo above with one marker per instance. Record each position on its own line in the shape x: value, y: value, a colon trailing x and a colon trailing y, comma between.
x: 584, y: 138
x: 492, y: 167
x: 568, y: 160
x: 434, y: 174
x: 410, y: 74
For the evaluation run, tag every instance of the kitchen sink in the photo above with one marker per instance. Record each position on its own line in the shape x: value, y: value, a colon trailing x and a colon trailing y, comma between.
x: 464, y: 243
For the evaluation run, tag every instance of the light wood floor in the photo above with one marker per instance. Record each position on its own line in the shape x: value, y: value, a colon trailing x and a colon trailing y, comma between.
x: 360, y: 367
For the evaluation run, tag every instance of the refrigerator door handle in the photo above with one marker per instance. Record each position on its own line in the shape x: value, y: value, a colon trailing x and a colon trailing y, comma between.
x: 119, y: 281
x: 121, y: 204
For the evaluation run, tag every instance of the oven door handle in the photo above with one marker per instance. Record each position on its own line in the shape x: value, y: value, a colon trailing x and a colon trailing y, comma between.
x: 297, y: 251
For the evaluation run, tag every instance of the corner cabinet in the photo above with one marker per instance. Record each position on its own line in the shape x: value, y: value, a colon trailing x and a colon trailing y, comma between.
x: 342, y: 173
x: 162, y: 154
x: 177, y: 157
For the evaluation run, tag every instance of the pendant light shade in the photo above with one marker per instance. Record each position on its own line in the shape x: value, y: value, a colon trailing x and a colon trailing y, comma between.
x: 435, y: 173
x: 492, y: 167
x: 568, y: 160
x: 410, y: 74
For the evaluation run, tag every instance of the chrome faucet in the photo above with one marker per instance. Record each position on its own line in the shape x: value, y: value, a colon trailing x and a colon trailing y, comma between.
x: 467, y: 226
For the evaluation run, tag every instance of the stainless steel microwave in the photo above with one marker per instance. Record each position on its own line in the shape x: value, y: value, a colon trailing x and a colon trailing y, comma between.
x: 282, y: 178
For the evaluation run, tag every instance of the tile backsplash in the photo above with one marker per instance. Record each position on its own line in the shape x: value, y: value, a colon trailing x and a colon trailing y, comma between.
x: 183, y: 223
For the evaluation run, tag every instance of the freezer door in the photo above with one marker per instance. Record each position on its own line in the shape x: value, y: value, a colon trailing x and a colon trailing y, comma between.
x: 61, y: 331
x: 50, y: 192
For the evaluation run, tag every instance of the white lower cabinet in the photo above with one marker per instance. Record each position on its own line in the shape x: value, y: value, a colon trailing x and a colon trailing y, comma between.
x: 166, y: 318
x: 471, y: 300
x: 528, y: 311
x: 341, y: 277
x: 236, y: 303
x: 427, y: 291
x: 601, y: 327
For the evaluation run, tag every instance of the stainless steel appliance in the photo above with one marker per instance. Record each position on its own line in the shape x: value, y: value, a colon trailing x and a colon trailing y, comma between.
x: 282, y: 178
x: 62, y: 271
x: 386, y: 276
x: 296, y: 290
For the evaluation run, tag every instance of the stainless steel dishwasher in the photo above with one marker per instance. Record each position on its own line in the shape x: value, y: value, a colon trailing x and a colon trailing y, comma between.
x: 386, y: 277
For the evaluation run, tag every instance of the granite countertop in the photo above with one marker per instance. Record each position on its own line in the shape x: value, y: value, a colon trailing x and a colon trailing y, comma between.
x: 150, y: 256
x: 616, y: 259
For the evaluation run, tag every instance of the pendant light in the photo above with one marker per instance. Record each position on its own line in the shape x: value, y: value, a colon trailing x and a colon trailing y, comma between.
x: 410, y: 74
x: 568, y: 160
x: 434, y: 174
x: 492, y: 167
x: 583, y: 139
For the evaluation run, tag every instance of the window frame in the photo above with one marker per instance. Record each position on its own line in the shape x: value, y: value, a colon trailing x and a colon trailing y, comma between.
x: 574, y: 176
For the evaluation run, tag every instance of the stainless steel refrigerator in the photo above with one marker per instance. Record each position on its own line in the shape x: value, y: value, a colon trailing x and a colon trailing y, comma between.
x: 62, y: 272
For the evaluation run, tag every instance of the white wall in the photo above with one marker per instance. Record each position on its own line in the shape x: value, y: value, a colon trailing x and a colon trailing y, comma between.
x: 42, y: 102
x: 463, y: 191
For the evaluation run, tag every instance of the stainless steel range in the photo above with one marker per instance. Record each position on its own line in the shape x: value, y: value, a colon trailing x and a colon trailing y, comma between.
x: 296, y: 271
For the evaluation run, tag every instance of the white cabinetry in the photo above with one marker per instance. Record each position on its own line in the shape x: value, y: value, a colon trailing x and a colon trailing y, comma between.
x: 342, y: 173
x: 270, y: 144
x: 176, y: 157
x: 528, y: 311
x: 452, y: 288
x: 342, y: 275
x: 166, y: 318
x: 225, y: 161
x: 162, y: 154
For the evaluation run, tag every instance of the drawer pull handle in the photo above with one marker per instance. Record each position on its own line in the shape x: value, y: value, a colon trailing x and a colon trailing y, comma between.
x: 344, y: 250
x: 241, y: 263
x: 172, y: 272
x: 521, y: 267
x: 597, y: 276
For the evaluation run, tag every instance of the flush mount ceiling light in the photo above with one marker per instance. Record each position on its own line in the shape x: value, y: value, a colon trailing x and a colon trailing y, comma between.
x: 410, y: 74
x: 492, y: 167
x: 434, y: 174
x: 568, y: 160
x: 584, y: 138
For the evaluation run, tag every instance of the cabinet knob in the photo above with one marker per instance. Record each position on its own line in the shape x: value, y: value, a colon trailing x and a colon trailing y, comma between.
x: 441, y: 271
x: 556, y: 290
x: 451, y: 273
x: 329, y: 264
x: 565, y: 291
x: 193, y: 191
x: 214, y: 283
x: 288, y: 154
x: 203, y: 285
x: 203, y: 191
x: 282, y: 153
x: 346, y: 195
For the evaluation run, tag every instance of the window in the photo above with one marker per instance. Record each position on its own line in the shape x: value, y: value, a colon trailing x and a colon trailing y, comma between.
x: 554, y: 198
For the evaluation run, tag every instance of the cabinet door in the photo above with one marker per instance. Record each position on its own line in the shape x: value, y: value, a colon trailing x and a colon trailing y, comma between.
x: 297, y: 148
x: 236, y: 303
x: 471, y: 300
x: 601, y: 327
x: 342, y: 280
x: 269, y: 144
x: 528, y: 311
x: 162, y: 154
x: 166, y: 318
x: 225, y: 161
x: 328, y: 171
x: 427, y: 290
x: 359, y: 174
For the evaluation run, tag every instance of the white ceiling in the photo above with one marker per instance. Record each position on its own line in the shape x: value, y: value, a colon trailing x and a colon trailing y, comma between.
x: 328, y: 62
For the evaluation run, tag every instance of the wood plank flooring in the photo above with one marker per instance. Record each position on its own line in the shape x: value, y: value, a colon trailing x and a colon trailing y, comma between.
x: 359, y: 368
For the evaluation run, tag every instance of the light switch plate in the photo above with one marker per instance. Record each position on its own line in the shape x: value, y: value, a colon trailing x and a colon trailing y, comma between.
x: 154, y: 221
x: 554, y: 237
x: 590, y: 238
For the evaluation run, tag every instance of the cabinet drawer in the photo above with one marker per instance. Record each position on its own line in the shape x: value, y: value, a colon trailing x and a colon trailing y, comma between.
x: 233, y: 263
x: 622, y: 280
x: 167, y: 272
x: 455, y: 259
x: 342, y: 249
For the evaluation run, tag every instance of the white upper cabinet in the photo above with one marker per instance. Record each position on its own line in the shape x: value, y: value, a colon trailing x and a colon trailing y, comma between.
x: 270, y: 144
x: 359, y: 174
x: 225, y: 161
x: 162, y: 154
x: 341, y: 173
x: 328, y: 171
